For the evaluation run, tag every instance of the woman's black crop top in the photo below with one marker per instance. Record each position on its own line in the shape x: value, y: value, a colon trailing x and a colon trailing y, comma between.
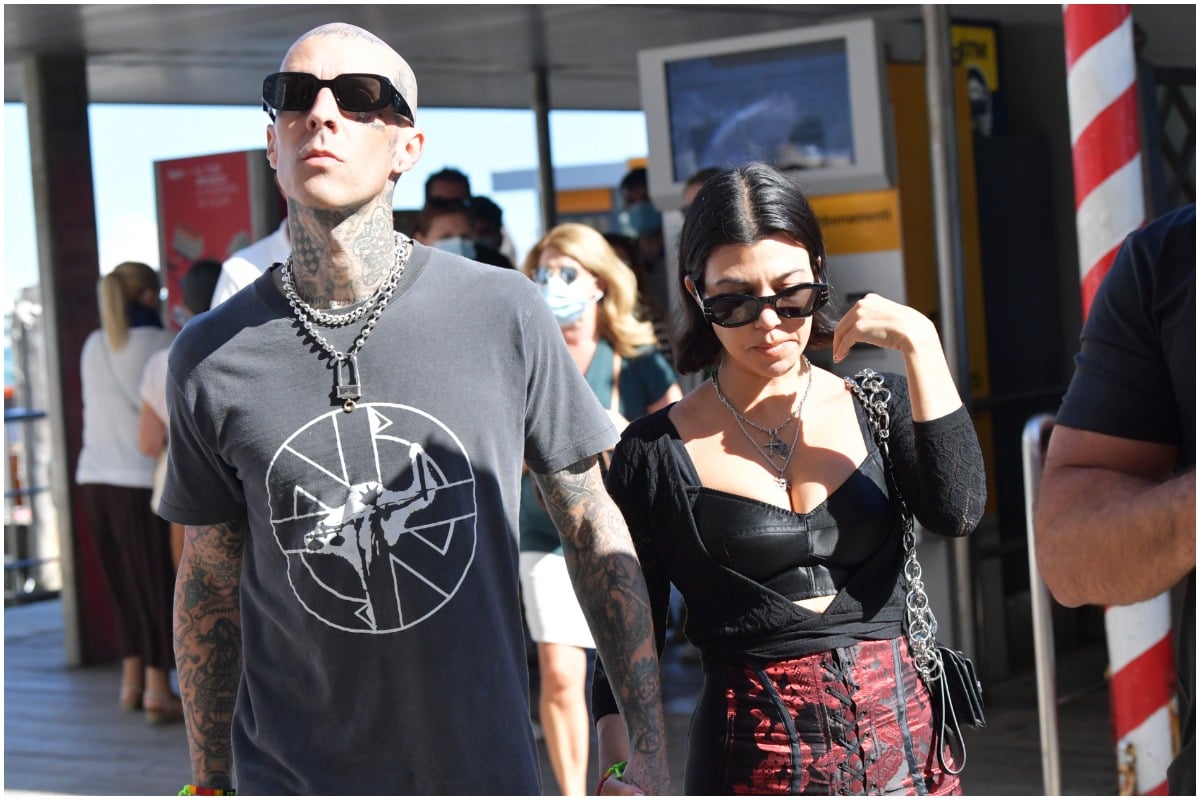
x: 800, y: 556
x: 732, y: 559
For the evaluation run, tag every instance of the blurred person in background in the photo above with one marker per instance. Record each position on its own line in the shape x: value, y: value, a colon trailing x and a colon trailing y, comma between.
x: 115, y: 480
x: 454, y: 184
x: 243, y: 266
x: 642, y: 222
x: 197, y: 292
x: 448, y: 183
x: 446, y: 224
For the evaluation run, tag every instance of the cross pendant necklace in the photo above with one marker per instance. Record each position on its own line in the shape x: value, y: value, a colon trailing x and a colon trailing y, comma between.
x: 775, y: 447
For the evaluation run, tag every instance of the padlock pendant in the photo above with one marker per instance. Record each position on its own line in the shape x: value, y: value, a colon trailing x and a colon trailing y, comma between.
x: 345, y: 382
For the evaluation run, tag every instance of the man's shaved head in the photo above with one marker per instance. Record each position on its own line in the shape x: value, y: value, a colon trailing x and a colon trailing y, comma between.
x: 400, y: 74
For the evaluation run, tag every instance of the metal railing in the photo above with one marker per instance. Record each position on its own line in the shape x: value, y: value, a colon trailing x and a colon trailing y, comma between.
x: 1033, y: 452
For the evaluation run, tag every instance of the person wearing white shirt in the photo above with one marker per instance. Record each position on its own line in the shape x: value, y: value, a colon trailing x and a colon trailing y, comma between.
x: 244, y: 266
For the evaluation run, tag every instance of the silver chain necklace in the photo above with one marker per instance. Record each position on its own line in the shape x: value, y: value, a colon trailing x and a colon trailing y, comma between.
x: 347, y: 385
x: 775, y: 447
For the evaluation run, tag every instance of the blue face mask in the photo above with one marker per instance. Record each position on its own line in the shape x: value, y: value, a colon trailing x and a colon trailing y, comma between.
x: 564, y: 301
x: 640, y: 219
x: 458, y: 245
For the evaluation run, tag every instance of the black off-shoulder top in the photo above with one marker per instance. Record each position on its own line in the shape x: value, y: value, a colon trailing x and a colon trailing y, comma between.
x: 740, y: 564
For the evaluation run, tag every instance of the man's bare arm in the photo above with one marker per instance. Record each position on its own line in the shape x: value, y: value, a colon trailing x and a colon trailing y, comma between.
x: 608, y: 581
x: 1112, y: 526
x: 208, y: 653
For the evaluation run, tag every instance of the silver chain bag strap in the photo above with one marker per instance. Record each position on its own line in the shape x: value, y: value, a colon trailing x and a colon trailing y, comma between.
x: 954, y: 688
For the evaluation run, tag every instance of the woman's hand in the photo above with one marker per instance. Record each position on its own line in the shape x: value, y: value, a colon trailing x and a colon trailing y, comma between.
x: 875, y: 320
x: 885, y: 323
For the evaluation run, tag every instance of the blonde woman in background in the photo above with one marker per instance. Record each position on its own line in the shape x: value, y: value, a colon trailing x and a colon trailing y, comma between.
x: 593, y: 294
x: 115, y: 480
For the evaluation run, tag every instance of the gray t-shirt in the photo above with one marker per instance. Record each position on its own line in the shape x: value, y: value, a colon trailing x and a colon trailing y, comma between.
x: 381, y: 629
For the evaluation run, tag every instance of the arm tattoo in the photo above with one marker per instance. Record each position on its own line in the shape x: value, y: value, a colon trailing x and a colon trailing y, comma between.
x: 608, y: 581
x: 208, y: 645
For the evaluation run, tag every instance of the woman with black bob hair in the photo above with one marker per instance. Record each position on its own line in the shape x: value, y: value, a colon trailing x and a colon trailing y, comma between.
x: 767, y: 202
x: 762, y: 496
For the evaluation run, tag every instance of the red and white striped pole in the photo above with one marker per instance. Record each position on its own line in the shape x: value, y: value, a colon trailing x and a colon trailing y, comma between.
x: 1109, y: 204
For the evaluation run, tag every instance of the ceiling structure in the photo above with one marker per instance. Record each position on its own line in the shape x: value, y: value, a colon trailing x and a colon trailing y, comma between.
x: 469, y: 56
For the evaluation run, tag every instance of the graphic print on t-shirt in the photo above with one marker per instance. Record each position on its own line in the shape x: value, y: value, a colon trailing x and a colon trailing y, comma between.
x: 375, y: 513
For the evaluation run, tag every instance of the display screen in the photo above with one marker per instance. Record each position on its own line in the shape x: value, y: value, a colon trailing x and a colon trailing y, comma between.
x: 788, y: 106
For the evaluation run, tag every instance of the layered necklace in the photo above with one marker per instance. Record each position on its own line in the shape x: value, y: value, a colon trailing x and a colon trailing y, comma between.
x: 775, y: 447
x: 347, y: 386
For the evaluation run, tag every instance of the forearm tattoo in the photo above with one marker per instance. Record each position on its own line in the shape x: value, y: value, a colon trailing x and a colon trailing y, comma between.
x: 612, y: 592
x: 208, y: 651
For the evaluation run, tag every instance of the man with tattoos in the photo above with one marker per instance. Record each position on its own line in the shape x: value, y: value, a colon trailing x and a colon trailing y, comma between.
x: 346, y: 447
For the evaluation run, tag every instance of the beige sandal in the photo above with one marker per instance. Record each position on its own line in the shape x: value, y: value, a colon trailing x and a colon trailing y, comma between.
x: 162, y: 708
x: 131, y: 697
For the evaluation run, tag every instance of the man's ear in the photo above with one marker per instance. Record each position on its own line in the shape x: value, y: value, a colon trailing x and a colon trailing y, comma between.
x: 272, y: 155
x: 409, y: 146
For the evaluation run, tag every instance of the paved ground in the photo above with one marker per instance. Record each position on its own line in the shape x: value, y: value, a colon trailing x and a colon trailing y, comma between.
x: 63, y: 733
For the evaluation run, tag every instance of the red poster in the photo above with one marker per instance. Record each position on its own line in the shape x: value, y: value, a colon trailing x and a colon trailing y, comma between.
x: 206, y: 209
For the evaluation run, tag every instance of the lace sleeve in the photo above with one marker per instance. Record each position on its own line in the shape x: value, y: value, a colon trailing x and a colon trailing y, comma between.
x: 938, y: 465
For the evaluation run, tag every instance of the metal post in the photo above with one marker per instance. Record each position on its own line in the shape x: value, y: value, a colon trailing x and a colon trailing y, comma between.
x: 948, y: 237
x: 1033, y: 454
x: 547, y: 196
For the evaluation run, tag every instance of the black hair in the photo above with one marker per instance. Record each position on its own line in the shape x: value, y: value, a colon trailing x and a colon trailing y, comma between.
x: 636, y: 177
x: 741, y: 207
x: 198, y: 283
x: 451, y: 175
x: 484, y: 208
x: 438, y: 207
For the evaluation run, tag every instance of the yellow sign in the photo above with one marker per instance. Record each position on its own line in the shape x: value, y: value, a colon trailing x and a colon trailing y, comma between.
x: 863, y: 222
x: 974, y: 46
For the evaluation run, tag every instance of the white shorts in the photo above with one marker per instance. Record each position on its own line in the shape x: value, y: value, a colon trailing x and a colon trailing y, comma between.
x: 551, y: 609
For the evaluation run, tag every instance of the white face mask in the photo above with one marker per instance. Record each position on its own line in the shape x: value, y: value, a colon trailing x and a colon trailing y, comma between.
x: 459, y: 245
x: 565, y: 301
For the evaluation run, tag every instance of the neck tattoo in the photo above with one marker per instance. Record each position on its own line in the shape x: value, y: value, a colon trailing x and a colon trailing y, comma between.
x: 775, y: 447
x: 347, y: 385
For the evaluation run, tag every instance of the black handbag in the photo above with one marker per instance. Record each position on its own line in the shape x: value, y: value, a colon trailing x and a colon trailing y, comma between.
x: 954, y: 688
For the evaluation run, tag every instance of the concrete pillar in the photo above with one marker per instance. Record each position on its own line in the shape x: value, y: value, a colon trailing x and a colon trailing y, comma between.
x: 56, y: 97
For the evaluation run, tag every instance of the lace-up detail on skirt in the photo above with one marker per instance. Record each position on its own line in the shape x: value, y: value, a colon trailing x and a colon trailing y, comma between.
x: 852, y: 720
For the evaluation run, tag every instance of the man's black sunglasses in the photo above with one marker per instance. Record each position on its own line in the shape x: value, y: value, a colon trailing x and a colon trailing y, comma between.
x: 353, y: 91
x: 735, y: 310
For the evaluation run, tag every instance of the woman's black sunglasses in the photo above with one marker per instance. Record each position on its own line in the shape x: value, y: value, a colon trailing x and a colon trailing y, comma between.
x: 735, y: 310
x: 353, y: 91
